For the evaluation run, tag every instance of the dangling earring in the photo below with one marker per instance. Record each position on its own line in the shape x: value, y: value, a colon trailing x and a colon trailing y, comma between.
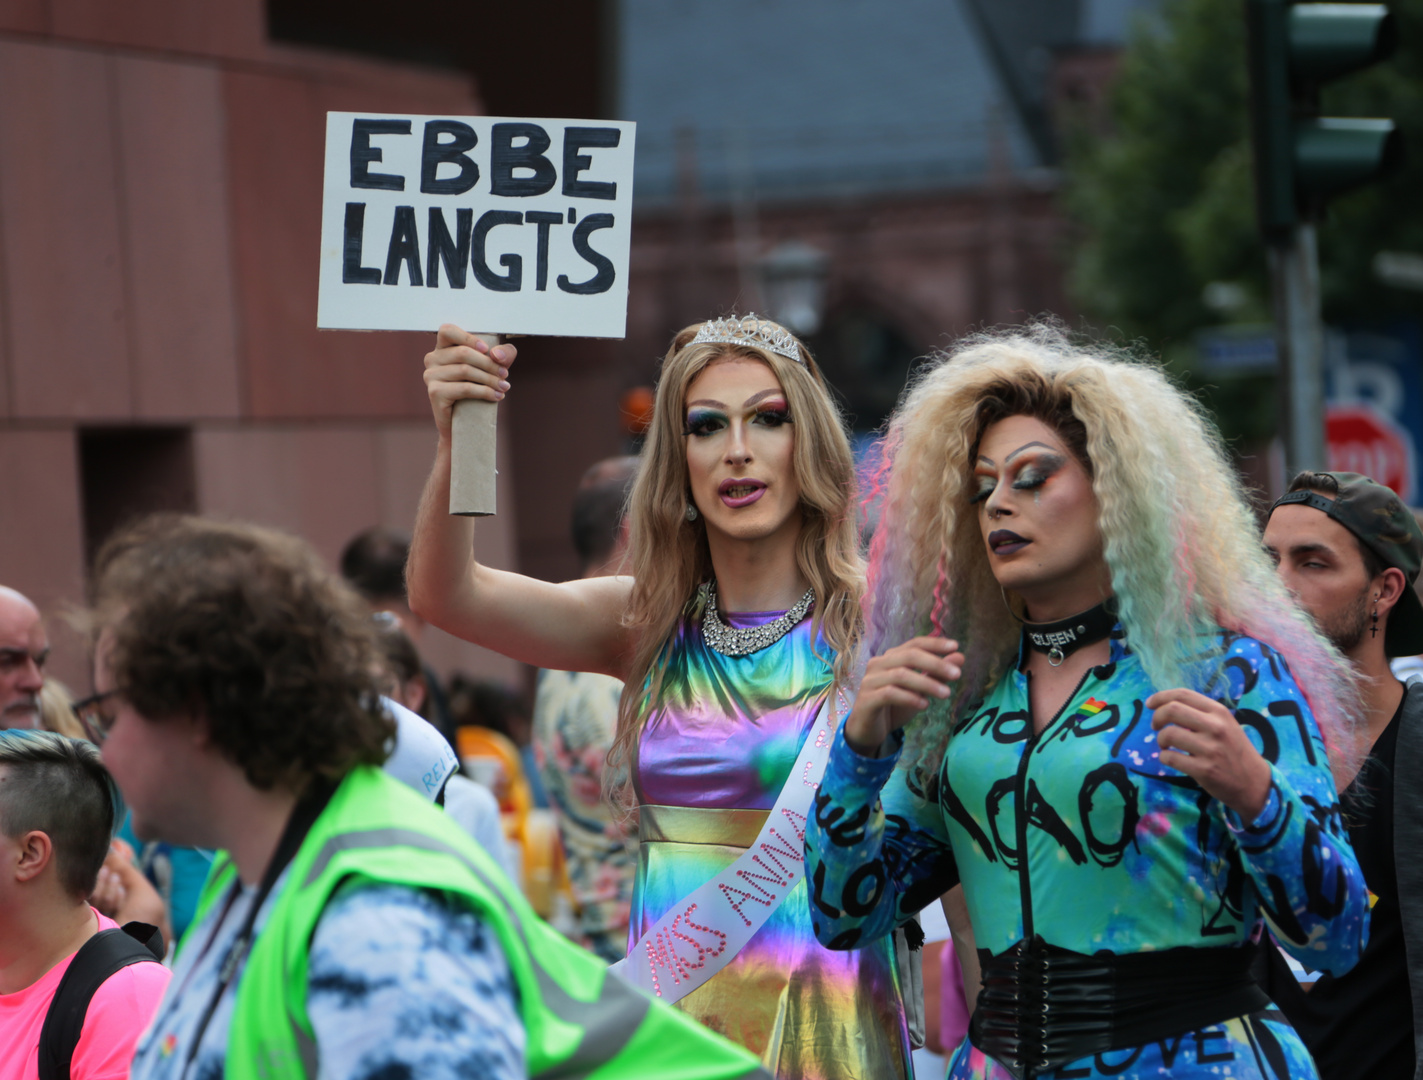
x: 691, y: 512
x: 1374, y: 629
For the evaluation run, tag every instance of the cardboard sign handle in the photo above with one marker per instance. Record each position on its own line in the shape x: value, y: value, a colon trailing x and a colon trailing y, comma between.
x: 472, y: 472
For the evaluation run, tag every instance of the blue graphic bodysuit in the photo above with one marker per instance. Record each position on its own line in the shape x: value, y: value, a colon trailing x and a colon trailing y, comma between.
x: 1081, y: 836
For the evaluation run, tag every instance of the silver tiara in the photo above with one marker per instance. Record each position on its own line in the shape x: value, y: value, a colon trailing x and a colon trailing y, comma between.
x: 750, y: 330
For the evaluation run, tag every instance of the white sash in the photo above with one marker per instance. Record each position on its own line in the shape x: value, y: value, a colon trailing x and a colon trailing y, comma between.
x: 699, y: 935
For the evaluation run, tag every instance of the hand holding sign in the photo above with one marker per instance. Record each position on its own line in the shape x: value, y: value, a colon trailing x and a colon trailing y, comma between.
x: 464, y: 367
x: 517, y: 226
x: 466, y: 377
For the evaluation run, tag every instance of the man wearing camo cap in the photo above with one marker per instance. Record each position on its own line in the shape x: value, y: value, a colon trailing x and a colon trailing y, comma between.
x: 1350, y: 551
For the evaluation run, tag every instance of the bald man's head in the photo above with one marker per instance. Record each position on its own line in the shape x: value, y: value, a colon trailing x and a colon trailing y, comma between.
x: 23, y: 651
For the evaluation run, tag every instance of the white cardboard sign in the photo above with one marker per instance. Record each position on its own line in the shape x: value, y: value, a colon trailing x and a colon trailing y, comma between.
x: 511, y: 226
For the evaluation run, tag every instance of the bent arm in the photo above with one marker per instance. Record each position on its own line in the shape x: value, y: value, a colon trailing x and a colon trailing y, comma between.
x: 876, y: 851
x: 574, y: 626
x: 1296, y: 851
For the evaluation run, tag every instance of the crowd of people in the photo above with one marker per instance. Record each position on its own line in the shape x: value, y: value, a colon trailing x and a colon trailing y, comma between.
x: 1147, y: 747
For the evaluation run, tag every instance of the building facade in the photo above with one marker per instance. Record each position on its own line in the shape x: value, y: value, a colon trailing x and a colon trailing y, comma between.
x: 160, y: 188
x: 160, y: 191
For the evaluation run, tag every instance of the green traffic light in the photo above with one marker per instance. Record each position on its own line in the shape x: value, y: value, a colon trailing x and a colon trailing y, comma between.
x: 1301, y: 158
x: 1327, y: 41
x: 1333, y: 154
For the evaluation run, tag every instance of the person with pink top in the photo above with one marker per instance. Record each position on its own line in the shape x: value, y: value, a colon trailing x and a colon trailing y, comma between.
x: 58, y: 811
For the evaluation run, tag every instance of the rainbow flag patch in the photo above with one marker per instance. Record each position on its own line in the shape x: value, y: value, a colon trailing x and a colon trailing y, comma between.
x: 168, y: 1045
x: 1093, y: 707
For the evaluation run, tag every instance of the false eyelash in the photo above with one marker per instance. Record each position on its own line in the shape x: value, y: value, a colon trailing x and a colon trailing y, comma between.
x: 701, y: 424
x: 1037, y: 474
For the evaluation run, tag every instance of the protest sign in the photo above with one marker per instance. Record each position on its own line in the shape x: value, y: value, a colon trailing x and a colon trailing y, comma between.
x: 505, y: 226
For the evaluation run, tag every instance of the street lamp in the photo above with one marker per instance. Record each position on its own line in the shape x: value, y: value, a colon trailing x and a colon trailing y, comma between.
x: 793, y: 282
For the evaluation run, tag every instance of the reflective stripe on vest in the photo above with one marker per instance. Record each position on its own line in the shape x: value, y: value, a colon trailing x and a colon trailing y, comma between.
x: 376, y: 831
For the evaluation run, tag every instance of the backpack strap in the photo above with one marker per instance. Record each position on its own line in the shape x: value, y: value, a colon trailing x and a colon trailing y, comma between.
x: 104, y: 954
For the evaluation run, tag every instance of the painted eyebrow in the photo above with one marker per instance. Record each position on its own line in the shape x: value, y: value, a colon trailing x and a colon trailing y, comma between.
x: 754, y: 398
x: 706, y: 401
x: 1026, y: 446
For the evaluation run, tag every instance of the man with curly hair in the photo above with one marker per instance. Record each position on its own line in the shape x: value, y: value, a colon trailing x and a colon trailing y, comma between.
x: 349, y: 929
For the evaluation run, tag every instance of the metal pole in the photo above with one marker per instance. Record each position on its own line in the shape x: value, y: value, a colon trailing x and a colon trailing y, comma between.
x: 1299, y: 334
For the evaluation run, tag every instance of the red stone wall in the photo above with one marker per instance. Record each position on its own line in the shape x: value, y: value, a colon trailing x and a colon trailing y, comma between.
x: 160, y: 190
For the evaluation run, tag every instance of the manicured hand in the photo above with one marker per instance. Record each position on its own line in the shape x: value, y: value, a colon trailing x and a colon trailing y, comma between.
x: 899, y: 684
x: 464, y: 367
x: 1202, y: 739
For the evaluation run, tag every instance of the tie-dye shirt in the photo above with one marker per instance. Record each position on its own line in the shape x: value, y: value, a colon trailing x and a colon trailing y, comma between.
x: 575, y: 722
x: 1080, y: 835
x: 400, y: 984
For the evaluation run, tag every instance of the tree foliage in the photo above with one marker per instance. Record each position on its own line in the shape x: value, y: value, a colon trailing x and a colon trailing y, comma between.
x: 1162, y: 196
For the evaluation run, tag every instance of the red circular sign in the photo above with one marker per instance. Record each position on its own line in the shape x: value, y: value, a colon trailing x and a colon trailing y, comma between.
x: 1360, y: 439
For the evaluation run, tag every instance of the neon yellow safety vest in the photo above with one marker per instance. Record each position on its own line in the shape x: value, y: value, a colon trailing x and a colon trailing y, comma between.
x: 579, y: 1020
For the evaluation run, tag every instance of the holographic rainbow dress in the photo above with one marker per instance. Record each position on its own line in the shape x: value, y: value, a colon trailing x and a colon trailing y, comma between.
x: 1079, y: 837
x: 718, y: 745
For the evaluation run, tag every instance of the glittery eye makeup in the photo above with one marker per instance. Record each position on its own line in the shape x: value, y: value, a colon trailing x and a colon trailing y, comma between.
x: 772, y: 413
x: 703, y: 422
x: 1036, y: 473
x: 1031, y: 475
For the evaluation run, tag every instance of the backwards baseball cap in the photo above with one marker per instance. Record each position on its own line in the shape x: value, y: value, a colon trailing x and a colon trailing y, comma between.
x: 1377, y: 516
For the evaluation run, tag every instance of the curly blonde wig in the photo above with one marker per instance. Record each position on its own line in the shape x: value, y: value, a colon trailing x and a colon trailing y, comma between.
x: 670, y: 557
x: 1181, y: 542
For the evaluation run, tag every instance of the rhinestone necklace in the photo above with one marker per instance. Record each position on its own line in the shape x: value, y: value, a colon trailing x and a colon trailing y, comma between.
x: 743, y: 640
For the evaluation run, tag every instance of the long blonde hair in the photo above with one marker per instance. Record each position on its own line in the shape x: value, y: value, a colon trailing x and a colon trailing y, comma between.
x: 1181, y: 542
x: 670, y: 557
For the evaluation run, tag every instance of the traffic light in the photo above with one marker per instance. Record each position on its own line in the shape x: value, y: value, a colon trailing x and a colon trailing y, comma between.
x: 1302, y: 158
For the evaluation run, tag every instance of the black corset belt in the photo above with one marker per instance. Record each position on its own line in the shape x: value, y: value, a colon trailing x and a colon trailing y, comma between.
x: 1041, y: 1007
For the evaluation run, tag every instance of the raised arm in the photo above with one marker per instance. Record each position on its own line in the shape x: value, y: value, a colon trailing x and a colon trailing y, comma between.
x: 876, y: 850
x: 574, y: 626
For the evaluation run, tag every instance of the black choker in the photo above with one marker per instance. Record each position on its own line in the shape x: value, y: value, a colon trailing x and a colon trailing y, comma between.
x: 1063, y: 638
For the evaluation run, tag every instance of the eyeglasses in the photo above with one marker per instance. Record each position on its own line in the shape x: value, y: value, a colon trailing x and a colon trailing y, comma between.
x: 95, y: 718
